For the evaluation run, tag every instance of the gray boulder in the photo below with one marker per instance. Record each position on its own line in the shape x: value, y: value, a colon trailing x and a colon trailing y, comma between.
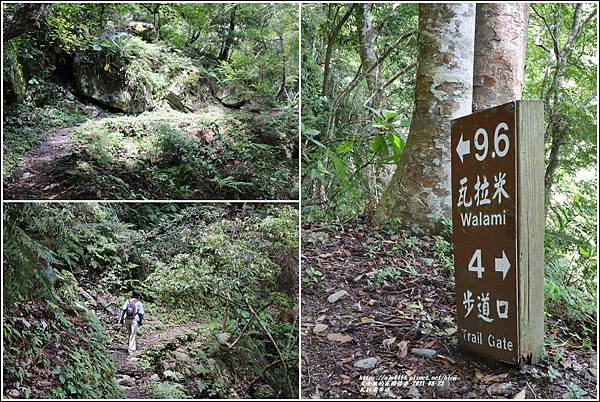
x: 105, y: 82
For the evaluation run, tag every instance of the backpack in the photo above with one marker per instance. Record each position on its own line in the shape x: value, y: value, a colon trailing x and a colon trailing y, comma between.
x: 131, y: 309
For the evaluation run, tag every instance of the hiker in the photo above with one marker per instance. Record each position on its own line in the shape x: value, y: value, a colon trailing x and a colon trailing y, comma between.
x: 132, y: 315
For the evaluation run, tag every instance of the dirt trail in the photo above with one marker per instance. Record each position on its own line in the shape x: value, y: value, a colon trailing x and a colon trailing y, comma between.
x: 132, y: 376
x: 33, y: 180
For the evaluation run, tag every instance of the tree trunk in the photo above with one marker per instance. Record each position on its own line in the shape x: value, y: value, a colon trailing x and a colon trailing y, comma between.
x: 558, y: 127
x: 500, y: 45
x: 368, y: 57
x: 228, y: 43
x: 331, y: 37
x: 419, y: 192
x: 26, y: 18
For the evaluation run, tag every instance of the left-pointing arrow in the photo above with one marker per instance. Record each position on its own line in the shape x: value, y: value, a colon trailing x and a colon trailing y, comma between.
x: 463, y: 148
x: 502, y: 265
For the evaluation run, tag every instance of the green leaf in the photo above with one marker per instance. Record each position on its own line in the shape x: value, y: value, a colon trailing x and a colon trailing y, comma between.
x: 389, y: 115
x: 345, y: 147
x: 379, y: 146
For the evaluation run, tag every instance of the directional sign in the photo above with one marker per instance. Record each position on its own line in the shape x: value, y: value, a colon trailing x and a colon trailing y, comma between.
x: 486, y: 211
x: 502, y: 265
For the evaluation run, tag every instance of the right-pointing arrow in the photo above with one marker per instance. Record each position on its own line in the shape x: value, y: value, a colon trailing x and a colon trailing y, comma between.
x: 463, y: 148
x: 502, y: 265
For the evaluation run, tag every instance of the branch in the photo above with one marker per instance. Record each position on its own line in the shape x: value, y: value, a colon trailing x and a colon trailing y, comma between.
x: 281, y: 358
x: 550, y: 30
x: 334, y: 32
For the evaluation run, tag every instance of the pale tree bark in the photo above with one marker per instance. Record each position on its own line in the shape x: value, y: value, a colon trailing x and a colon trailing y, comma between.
x: 368, y: 57
x: 500, y: 45
x: 419, y: 192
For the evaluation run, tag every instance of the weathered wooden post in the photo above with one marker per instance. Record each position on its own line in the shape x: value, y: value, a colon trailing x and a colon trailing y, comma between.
x: 498, y: 230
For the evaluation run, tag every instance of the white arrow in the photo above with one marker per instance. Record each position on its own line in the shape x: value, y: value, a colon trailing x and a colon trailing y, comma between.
x: 502, y: 265
x: 463, y: 148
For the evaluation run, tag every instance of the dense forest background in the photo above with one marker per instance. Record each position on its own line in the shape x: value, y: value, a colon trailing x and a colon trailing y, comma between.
x: 380, y: 83
x: 160, y: 101
x: 218, y: 282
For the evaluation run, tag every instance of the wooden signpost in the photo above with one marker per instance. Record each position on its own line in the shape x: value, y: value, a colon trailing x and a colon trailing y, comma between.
x: 498, y: 230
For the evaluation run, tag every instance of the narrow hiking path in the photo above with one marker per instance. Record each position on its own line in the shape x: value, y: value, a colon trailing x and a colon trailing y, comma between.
x: 36, y: 176
x: 129, y: 374
x: 33, y: 179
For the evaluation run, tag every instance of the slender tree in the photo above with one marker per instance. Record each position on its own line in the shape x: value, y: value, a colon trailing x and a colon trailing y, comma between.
x: 559, y: 54
x: 331, y: 36
x: 368, y: 56
x: 419, y: 192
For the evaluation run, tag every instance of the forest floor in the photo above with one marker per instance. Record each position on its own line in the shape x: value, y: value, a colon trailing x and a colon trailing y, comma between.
x: 36, y: 176
x: 399, y: 296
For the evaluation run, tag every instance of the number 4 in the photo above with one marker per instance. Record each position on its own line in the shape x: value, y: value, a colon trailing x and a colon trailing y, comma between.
x: 475, y: 264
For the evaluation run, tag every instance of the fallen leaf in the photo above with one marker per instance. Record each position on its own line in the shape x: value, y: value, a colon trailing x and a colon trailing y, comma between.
x: 428, y: 345
x: 521, y: 394
x: 371, y: 302
x: 403, y: 348
x: 321, y: 318
x: 478, y: 374
x: 341, y: 338
x: 346, y: 379
x: 326, y: 255
x: 320, y: 328
x: 451, y: 331
x: 488, y: 379
x: 389, y: 342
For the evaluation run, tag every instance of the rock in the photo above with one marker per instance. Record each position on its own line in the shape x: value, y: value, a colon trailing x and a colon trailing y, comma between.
x: 13, y: 78
x: 26, y: 175
x: 125, y: 380
x: 108, y: 86
x: 154, y: 377
x: 144, y: 30
x: 181, y: 356
x: 367, y: 363
x: 340, y: 294
x: 13, y: 393
x: 423, y: 352
x: 175, y: 99
x: 168, y: 365
x: 315, y: 237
